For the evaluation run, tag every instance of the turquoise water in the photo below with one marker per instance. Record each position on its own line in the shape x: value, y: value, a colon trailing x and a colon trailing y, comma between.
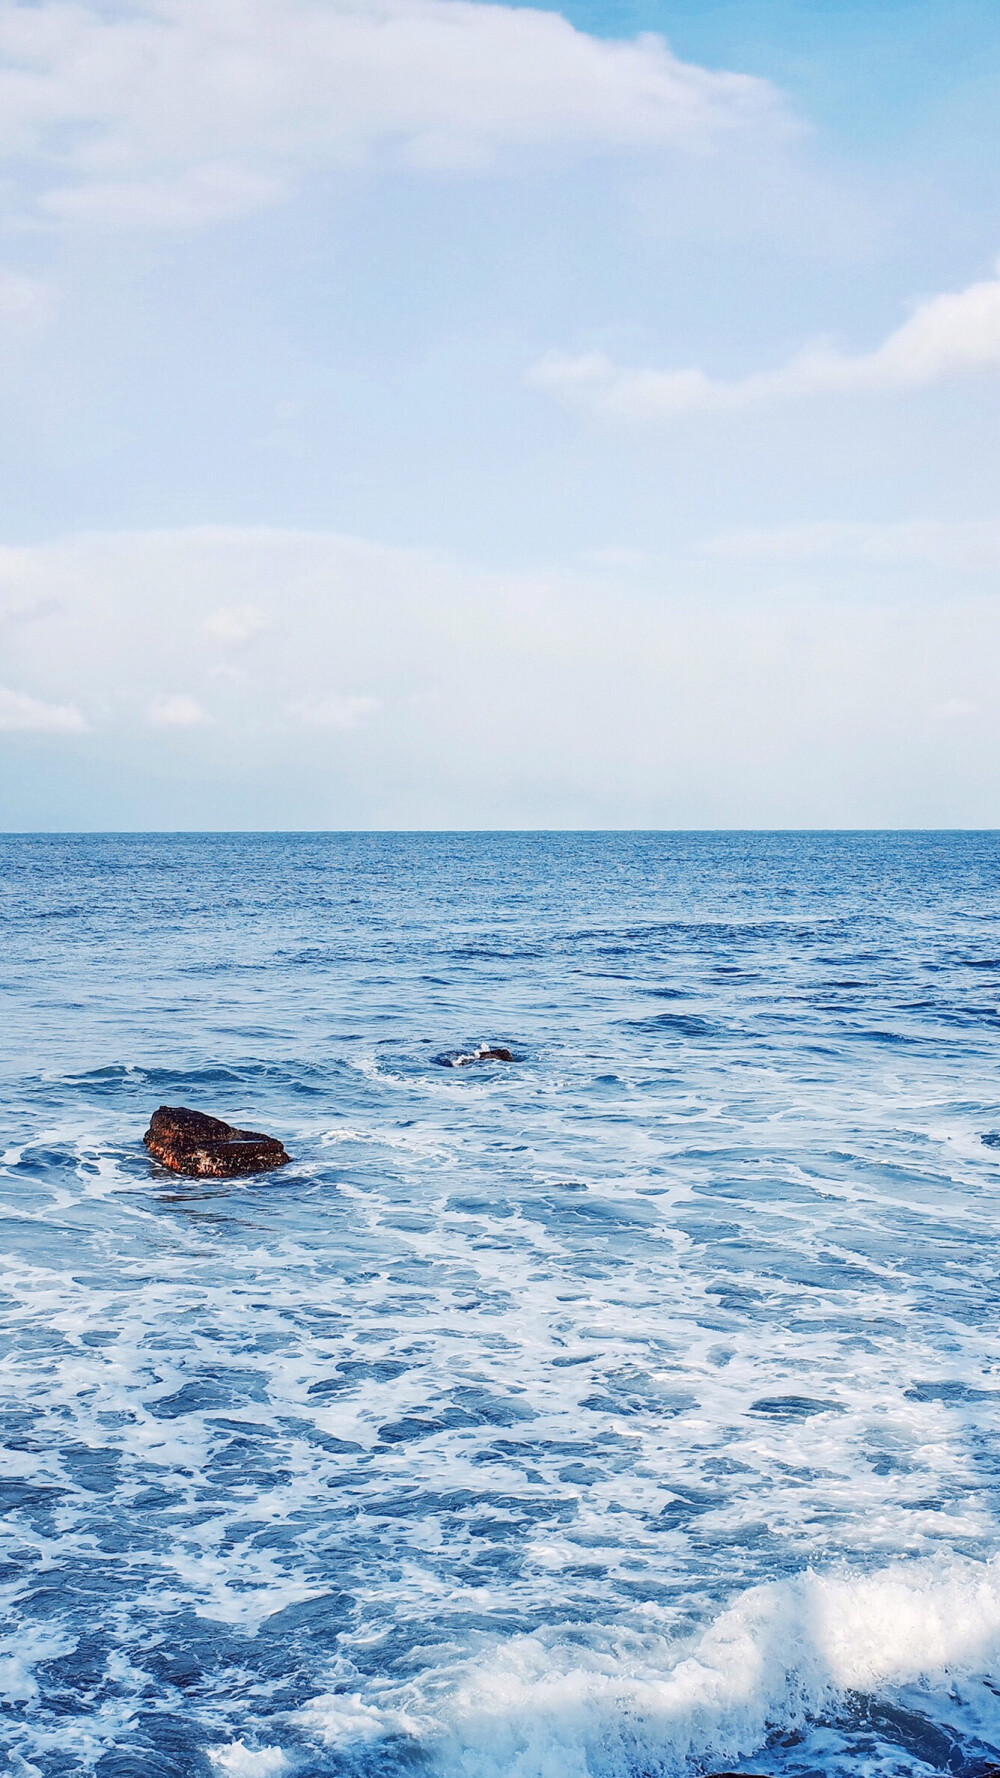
x: 628, y: 1410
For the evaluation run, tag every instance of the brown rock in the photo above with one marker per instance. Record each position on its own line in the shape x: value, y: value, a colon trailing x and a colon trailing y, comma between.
x: 206, y: 1148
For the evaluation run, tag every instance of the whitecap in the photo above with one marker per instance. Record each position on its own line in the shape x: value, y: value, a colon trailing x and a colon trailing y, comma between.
x: 237, y: 1760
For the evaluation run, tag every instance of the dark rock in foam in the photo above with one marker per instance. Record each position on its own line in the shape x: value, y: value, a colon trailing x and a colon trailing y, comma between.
x: 487, y: 1052
x: 206, y: 1148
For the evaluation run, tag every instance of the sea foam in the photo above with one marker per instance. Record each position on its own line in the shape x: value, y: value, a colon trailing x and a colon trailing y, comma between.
x: 632, y: 1410
x: 783, y: 1657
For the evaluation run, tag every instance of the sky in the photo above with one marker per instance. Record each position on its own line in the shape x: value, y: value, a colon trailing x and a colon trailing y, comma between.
x: 443, y: 414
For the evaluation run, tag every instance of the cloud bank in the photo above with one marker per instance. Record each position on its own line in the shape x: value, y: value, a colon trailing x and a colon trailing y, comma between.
x: 380, y: 686
x: 944, y: 337
x: 175, y: 113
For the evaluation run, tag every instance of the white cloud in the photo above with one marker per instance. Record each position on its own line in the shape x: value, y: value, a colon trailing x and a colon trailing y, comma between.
x: 26, y: 304
x: 175, y: 112
x: 176, y: 711
x: 18, y: 712
x: 189, y: 199
x: 955, y: 545
x: 334, y: 711
x: 945, y: 336
x: 954, y: 709
x: 235, y: 623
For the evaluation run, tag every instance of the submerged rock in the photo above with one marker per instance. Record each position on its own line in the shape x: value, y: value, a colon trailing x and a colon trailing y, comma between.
x: 206, y: 1148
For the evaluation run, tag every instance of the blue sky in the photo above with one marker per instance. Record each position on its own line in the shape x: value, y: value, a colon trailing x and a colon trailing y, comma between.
x: 423, y: 413
x: 869, y: 69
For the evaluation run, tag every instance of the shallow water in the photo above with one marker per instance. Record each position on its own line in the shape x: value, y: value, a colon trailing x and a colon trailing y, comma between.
x: 631, y: 1409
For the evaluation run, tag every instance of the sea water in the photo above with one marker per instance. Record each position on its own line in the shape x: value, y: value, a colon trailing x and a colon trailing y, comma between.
x: 625, y: 1411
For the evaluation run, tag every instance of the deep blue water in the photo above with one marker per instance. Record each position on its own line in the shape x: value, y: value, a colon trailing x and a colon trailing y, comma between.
x: 631, y: 1409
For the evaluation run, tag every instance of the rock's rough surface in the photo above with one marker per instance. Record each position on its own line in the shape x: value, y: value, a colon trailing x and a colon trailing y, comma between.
x: 206, y: 1148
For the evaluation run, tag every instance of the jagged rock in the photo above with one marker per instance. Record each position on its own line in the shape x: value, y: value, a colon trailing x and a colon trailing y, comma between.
x: 206, y: 1148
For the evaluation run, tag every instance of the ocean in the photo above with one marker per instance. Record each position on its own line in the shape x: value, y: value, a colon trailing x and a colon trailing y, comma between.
x: 629, y: 1410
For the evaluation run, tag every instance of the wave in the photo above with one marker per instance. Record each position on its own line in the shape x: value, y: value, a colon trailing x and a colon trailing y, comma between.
x: 785, y: 1655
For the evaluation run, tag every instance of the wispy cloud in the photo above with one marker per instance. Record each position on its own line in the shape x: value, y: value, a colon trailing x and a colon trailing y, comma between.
x: 954, y: 709
x: 191, y: 197
x: 954, y: 545
x: 26, y: 304
x: 176, y: 711
x: 334, y: 711
x: 235, y: 623
x: 174, y: 113
x: 945, y: 336
x: 27, y: 715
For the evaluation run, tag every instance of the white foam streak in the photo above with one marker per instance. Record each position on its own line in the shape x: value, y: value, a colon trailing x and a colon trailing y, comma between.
x: 21, y: 1655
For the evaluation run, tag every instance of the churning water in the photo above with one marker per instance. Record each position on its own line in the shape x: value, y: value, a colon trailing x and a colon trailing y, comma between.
x: 632, y: 1409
